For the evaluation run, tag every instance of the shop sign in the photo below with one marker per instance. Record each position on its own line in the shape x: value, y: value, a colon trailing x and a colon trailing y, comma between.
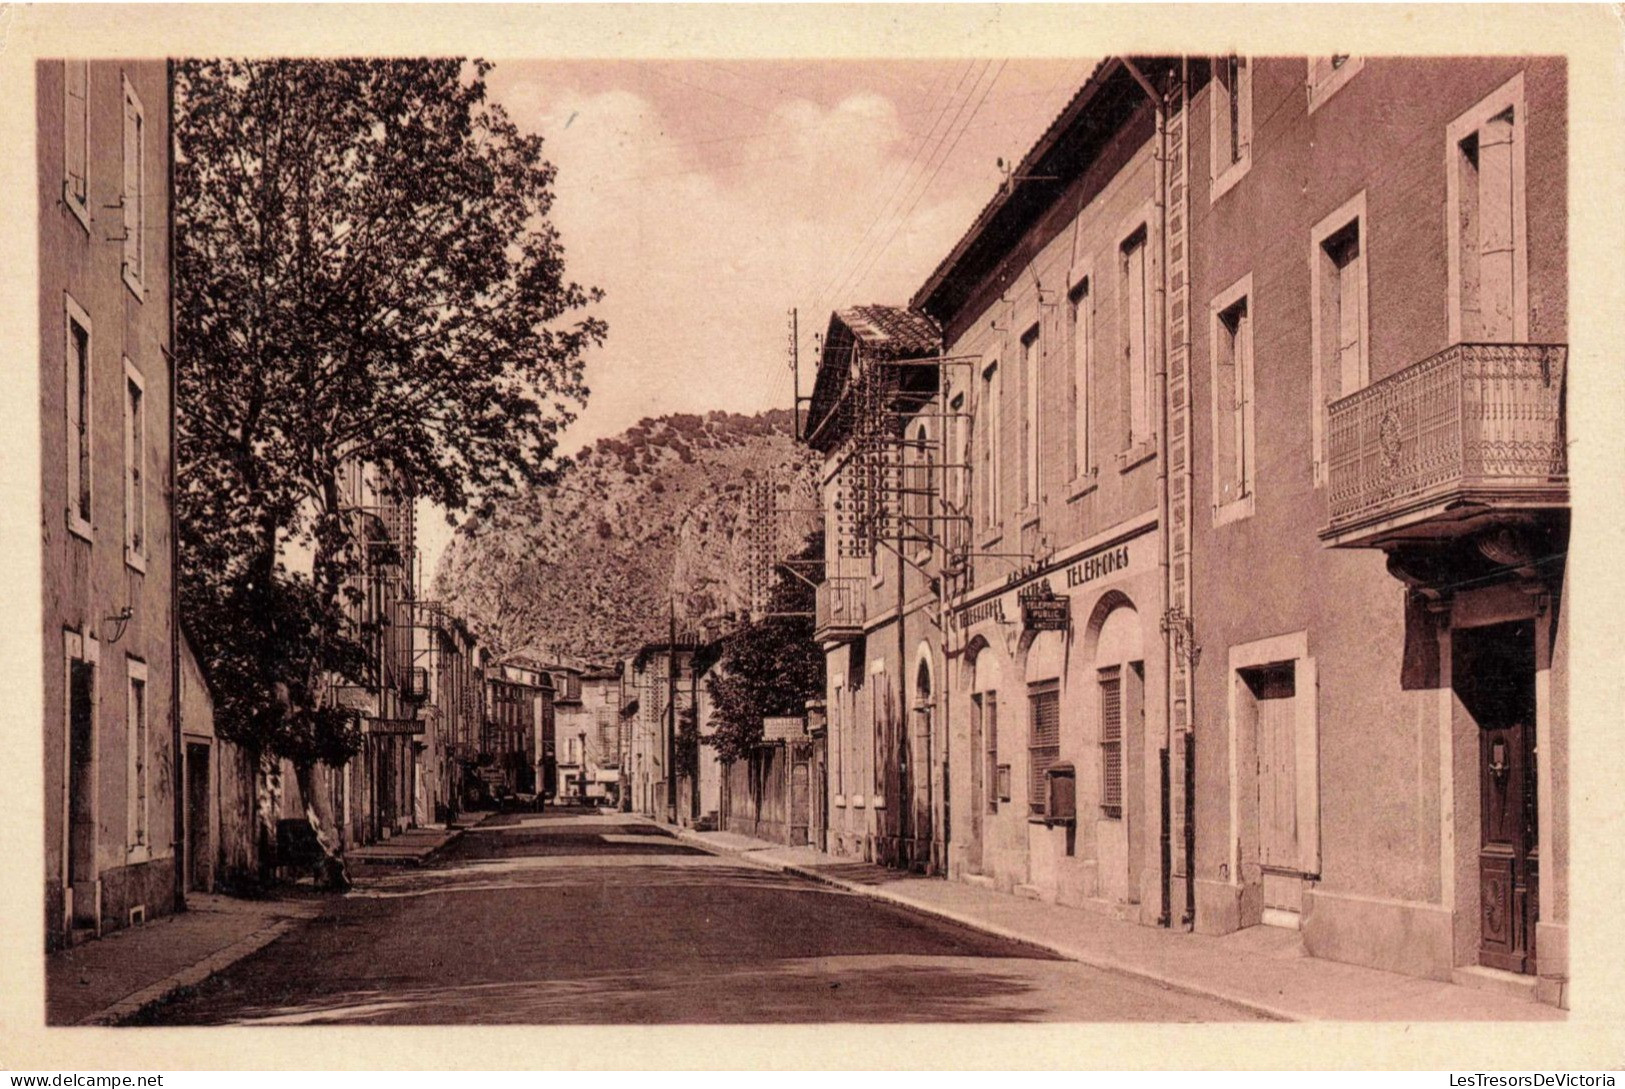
x: 1043, y: 610
x: 393, y: 725
x: 784, y: 728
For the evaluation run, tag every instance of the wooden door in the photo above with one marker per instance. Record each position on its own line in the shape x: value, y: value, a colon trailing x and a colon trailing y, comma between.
x: 81, y: 791
x: 1498, y: 688
x: 1279, y: 850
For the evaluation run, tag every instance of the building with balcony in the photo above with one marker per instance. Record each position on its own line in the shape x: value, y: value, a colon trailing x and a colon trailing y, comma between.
x: 873, y: 417
x: 1377, y: 311
x: 1053, y: 680
x: 114, y: 759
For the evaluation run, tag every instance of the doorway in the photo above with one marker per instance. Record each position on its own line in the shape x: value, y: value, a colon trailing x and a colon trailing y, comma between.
x: 82, y: 793
x: 1274, y: 691
x: 199, y: 849
x: 1493, y: 672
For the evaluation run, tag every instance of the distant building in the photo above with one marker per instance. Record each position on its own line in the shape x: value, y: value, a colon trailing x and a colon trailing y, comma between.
x: 658, y: 673
x: 114, y: 769
x: 519, y: 725
x: 587, y: 732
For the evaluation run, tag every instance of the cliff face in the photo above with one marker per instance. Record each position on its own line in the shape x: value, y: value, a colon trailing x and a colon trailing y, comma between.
x: 658, y: 513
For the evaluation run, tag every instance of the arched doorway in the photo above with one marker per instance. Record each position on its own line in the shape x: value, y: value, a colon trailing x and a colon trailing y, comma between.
x: 1118, y: 665
x: 983, y: 750
x: 917, y: 763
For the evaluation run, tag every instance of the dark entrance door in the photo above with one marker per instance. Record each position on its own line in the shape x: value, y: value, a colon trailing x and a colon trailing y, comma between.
x: 1495, y: 676
x: 199, y: 850
x: 81, y: 791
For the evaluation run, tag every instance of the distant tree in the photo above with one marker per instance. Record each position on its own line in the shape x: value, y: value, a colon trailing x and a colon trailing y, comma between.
x: 769, y: 667
x: 364, y: 272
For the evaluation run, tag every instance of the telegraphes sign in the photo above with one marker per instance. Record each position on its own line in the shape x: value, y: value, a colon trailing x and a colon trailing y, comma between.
x: 783, y: 728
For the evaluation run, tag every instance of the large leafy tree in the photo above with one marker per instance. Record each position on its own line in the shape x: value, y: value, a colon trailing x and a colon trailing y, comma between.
x: 364, y: 273
x: 770, y: 666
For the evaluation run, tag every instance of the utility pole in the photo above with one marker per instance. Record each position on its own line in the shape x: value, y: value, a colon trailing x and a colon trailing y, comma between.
x: 671, y: 717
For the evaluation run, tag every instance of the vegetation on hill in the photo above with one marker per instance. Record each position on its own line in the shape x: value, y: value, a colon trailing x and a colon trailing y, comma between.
x: 585, y: 568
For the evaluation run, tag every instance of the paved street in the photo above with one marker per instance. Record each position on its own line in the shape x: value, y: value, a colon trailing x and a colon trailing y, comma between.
x: 568, y: 918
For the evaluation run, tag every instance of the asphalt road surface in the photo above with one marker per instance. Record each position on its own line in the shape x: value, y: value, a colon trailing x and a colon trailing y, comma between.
x: 568, y: 918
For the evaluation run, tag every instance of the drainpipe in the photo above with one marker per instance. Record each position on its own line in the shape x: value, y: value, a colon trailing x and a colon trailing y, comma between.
x: 1163, y: 566
x: 1190, y: 600
x: 180, y: 851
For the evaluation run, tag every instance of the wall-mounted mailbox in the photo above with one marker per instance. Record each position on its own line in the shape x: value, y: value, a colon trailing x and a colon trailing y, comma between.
x: 1060, y: 796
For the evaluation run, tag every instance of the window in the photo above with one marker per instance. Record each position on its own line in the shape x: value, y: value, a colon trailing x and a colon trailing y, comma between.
x: 1232, y: 349
x: 1230, y: 123
x: 135, y: 458
x: 986, y: 704
x: 134, y: 198
x: 1111, y: 742
x: 988, y: 463
x: 837, y: 734
x: 1488, y: 245
x: 76, y: 138
x: 954, y: 472
x: 79, y: 423
x: 140, y: 759
x: 1043, y: 740
x: 1136, y: 340
x: 1083, y: 334
x: 1328, y: 74
x: 1340, y: 320
x: 1029, y: 417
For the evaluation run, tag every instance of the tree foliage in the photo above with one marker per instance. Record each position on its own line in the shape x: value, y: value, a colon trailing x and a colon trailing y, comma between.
x: 769, y: 667
x: 364, y: 274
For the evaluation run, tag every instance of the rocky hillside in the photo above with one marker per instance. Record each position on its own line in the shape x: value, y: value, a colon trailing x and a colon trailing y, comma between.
x: 585, y: 569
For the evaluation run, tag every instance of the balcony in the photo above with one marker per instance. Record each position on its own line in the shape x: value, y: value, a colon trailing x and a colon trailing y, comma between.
x: 839, y: 609
x: 1464, y: 440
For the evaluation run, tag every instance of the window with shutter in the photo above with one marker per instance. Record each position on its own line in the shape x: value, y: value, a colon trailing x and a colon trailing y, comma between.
x: 1083, y: 335
x: 79, y: 376
x: 134, y: 197
x: 1044, y: 740
x: 135, y: 453
x: 1230, y: 113
x: 1111, y: 742
x: 998, y: 791
x: 1340, y: 319
x: 76, y: 138
x: 1136, y: 338
x: 1231, y: 330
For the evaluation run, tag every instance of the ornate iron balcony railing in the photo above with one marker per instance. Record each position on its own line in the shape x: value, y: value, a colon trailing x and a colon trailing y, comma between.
x: 1475, y: 427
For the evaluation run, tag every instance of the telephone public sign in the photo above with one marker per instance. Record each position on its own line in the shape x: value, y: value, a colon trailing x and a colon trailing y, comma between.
x: 1043, y: 610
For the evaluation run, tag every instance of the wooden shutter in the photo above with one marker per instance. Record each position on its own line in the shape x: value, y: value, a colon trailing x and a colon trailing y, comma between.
x: 76, y: 130
x: 990, y: 712
x: 133, y: 210
x: 1111, y: 741
x: 1044, y: 746
x: 1306, y: 754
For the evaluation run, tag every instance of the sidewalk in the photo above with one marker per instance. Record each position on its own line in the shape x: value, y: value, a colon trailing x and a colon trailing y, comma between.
x: 104, y: 981
x: 1262, y: 968
x: 413, y: 847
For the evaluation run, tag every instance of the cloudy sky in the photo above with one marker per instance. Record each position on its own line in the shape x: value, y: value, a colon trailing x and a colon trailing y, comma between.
x: 709, y: 198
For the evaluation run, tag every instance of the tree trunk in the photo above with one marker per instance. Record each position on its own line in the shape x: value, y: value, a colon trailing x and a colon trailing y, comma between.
x: 331, y: 872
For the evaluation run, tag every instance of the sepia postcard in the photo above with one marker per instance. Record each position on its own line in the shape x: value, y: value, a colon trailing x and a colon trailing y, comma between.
x: 812, y: 536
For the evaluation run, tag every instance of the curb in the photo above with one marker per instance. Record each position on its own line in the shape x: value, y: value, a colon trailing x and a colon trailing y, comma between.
x: 413, y: 860
x: 1263, y: 1009
x: 132, y: 1004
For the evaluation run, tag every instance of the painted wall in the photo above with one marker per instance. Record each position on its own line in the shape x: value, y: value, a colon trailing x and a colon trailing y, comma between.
x: 87, y: 581
x: 1266, y: 575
